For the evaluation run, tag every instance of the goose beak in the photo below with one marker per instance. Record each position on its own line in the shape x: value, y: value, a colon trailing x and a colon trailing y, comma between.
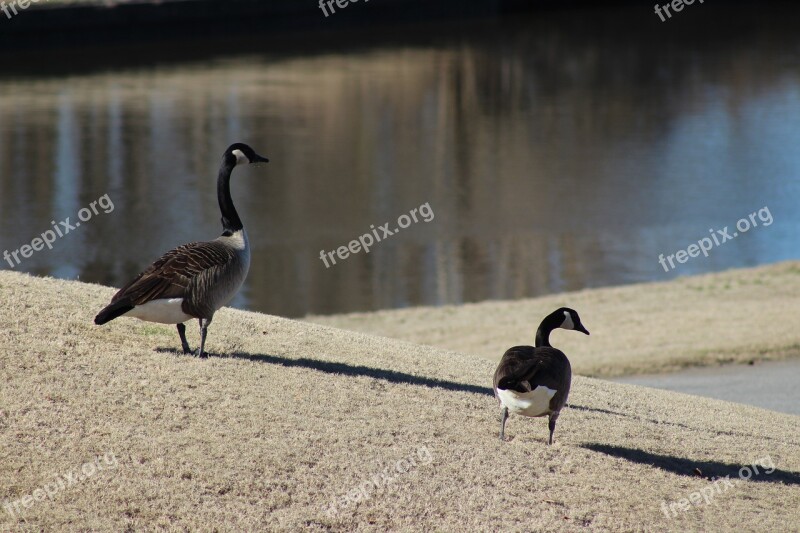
x: 258, y: 159
x: 582, y: 329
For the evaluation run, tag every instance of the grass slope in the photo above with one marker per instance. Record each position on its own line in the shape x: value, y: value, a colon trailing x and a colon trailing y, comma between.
x: 294, y: 416
x: 734, y: 316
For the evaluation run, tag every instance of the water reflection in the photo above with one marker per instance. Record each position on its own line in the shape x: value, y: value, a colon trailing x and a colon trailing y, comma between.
x: 554, y: 159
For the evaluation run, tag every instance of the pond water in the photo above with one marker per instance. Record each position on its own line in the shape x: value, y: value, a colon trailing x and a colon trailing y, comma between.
x: 555, y: 152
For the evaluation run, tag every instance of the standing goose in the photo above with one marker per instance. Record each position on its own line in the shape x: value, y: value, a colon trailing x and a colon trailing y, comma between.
x: 535, y: 381
x: 196, y: 279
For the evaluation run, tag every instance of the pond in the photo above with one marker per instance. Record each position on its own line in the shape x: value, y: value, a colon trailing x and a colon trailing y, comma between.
x: 554, y: 152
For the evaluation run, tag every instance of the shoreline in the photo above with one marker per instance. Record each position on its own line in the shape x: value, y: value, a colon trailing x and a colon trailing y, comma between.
x: 708, y: 320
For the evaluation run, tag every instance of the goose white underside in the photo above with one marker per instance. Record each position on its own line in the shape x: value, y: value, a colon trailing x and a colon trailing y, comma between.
x: 533, y: 403
x: 164, y: 311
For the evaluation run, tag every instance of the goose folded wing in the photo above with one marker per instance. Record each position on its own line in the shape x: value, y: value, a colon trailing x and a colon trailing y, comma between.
x: 520, y: 379
x: 171, y: 274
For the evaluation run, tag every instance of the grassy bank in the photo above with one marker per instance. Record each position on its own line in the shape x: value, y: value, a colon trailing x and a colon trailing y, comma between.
x: 287, y: 419
x: 736, y: 316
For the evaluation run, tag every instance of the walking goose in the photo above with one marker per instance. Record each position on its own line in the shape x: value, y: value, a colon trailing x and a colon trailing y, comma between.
x: 535, y: 381
x: 196, y: 279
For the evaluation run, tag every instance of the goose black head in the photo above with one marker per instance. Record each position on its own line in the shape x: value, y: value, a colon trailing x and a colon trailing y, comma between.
x: 565, y: 318
x: 241, y: 154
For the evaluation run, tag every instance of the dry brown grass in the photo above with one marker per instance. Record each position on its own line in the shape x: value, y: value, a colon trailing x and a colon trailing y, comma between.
x: 294, y: 414
x: 735, y: 316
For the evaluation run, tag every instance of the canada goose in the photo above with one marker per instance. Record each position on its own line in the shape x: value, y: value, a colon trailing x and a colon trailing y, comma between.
x: 196, y: 279
x: 535, y: 381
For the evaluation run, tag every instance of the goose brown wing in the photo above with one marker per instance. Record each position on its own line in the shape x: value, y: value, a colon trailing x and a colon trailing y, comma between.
x: 171, y: 274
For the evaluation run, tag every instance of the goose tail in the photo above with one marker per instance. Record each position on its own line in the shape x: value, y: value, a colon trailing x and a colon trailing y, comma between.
x: 112, y: 311
x: 513, y: 383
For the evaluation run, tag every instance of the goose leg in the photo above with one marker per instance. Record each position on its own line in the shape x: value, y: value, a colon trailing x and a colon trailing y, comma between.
x: 552, y: 425
x: 203, y: 332
x: 182, y: 333
x: 503, y: 418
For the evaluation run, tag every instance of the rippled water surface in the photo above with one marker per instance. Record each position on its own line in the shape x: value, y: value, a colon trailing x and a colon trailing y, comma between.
x: 555, y: 154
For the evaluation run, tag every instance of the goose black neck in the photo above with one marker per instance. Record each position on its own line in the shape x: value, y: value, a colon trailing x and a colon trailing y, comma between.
x: 543, y: 335
x: 231, y: 222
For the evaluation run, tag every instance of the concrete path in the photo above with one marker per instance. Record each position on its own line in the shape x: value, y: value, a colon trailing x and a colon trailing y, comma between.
x: 774, y: 386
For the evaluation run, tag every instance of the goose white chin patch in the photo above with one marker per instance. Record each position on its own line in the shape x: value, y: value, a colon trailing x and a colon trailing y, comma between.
x: 164, y: 311
x: 568, y: 323
x: 238, y: 240
x: 241, y: 159
x: 533, y: 403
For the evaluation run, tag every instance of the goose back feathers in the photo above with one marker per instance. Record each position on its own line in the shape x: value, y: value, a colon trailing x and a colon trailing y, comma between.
x: 204, y: 276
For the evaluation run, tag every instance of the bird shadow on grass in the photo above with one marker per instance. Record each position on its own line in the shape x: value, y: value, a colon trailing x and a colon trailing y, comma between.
x: 392, y: 376
x: 176, y: 351
x: 757, y: 471
x: 173, y: 351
